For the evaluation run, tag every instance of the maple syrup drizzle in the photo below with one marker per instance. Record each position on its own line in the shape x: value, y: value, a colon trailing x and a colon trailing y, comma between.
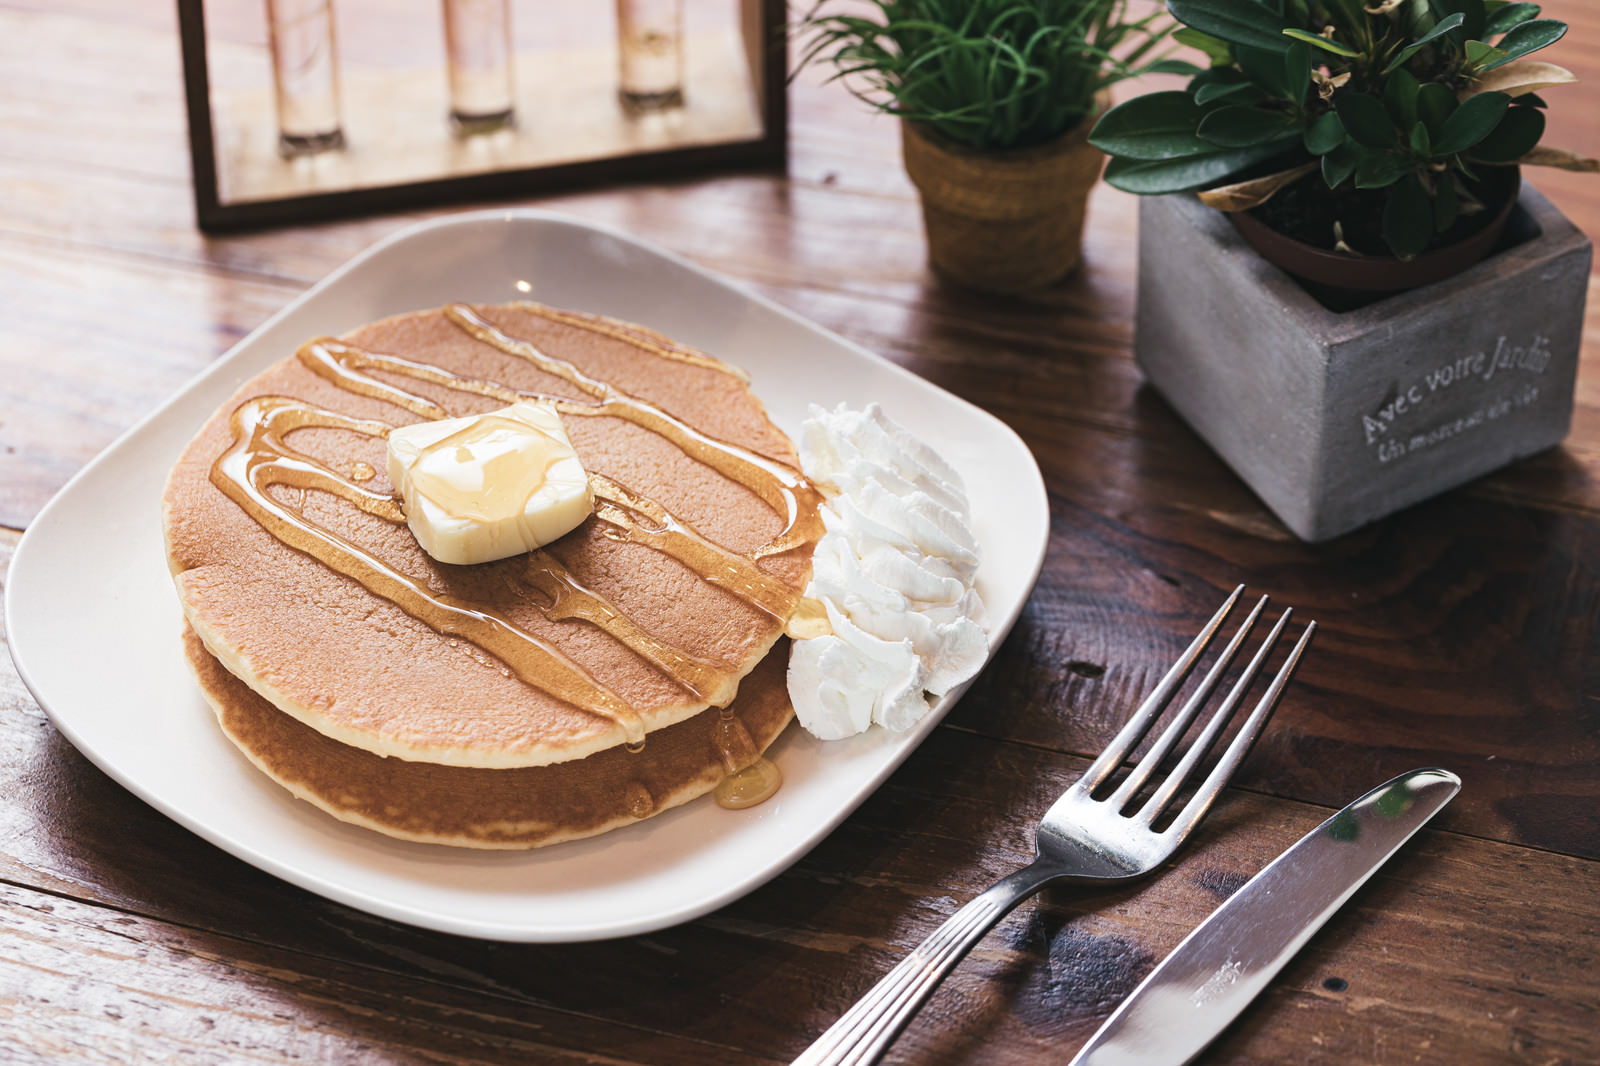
x: 809, y: 619
x: 620, y: 510
x: 260, y: 458
x: 342, y: 364
x: 569, y: 599
x: 782, y: 488
x: 640, y: 337
x: 272, y: 418
x: 638, y: 800
x: 754, y: 784
x: 750, y: 778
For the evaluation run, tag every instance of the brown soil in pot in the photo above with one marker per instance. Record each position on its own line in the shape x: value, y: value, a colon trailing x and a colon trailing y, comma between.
x: 1294, y: 231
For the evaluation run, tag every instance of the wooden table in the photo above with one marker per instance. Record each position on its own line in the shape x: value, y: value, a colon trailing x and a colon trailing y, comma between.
x: 1462, y: 633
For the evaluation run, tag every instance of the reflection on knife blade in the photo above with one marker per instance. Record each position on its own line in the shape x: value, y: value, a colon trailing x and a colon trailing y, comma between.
x: 1220, y: 967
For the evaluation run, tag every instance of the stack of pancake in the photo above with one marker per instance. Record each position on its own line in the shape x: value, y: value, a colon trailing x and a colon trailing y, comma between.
x: 623, y: 669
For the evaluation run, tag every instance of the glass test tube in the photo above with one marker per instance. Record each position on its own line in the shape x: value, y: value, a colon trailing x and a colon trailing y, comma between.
x: 305, y: 74
x: 650, y: 54
x: 477, y: 36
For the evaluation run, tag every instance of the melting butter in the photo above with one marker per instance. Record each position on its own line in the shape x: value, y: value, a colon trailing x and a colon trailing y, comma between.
x: 489, y: 486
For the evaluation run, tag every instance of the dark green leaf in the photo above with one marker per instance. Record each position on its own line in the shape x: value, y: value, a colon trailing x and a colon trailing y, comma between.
x: 1442, y: 27
x: 1471, y: 122
x: 1407, y: 219
x: 1339, y: 164
x: 1475, y: 17
x: 1216, y: 76
x: 1216, y: 83
x: 1243, y: 127
x: 1173, y: 66
x: 1238, y: 21
x: 1209, y: 94
x: 1532, y: 100
x: 1147, y: 177
x: 1514, y: 138
x: 1297, y: 72
x: 1446, y: 205
x: 1525, y: 38
x: 1435, y: 103
x: 1420, y: 142
x: 1400, y: 97
x: 1214, y: 49
x: 1366, y: 120
x: 1152, y: 126
x: 1266, y: 69
x: 1509, y: 16
x: 1317, y: 41
x: 1325, y: 134
x: 1481, y: 55
x: 1378, y: 170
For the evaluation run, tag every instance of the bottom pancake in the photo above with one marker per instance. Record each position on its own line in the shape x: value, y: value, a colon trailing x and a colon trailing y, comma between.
x: 525, y: 807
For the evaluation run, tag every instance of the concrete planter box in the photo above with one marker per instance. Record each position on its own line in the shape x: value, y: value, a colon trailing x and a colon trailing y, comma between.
x: 1336, y: 419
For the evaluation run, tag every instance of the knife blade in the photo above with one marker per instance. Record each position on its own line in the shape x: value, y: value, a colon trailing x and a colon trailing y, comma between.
x: 1216, y: 971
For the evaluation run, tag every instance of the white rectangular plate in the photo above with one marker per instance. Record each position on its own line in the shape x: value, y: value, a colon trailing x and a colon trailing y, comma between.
x: 91, y: 573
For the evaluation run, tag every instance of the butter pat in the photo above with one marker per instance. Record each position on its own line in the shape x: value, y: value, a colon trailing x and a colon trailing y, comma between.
x: 489, y: 486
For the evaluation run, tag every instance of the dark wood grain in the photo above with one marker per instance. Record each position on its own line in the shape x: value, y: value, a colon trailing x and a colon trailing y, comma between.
x: 1464, y: 632
x: 114, y: 913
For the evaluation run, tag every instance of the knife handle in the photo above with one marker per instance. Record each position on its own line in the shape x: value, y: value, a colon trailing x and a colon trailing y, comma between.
x: 867, y: 1029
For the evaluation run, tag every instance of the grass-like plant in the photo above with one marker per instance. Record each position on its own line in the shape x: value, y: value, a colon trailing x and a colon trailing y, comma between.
x: 1400, y: 105
x: 989, y: 74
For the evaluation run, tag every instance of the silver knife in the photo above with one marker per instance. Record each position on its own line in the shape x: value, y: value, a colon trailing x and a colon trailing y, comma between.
x: 1220, y: 967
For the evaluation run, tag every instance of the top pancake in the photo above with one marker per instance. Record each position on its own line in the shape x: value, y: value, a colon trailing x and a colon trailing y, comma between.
x: 296, y: 569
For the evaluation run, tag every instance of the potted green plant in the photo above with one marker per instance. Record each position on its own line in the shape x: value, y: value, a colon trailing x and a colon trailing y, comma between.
x: 1379, y: 143
x: 996, y: 99
x: 1349, y: 131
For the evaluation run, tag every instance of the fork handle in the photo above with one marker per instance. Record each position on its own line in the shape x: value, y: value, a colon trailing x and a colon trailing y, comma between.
x: 867, y: 1029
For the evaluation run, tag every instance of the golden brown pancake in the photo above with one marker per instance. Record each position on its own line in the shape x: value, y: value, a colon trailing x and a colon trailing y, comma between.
x: 516, y: 808
x: 297, y: 571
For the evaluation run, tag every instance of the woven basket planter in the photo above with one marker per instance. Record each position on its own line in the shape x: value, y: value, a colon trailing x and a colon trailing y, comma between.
x: 1006, y: 221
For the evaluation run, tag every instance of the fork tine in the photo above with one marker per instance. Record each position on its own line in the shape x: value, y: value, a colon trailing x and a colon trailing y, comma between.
x: 1139, y: 723
x: 1180, y: 723
x: 1208, y: 792
x: 1219, y: 721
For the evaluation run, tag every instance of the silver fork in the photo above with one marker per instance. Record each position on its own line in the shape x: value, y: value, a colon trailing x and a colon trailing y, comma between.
x: 1083, y: 839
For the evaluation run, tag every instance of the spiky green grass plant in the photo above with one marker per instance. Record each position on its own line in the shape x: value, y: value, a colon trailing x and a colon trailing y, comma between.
x: 989, y: 74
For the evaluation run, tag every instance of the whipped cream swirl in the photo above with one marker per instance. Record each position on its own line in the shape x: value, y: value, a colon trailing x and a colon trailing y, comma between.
x: 893, y: 573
